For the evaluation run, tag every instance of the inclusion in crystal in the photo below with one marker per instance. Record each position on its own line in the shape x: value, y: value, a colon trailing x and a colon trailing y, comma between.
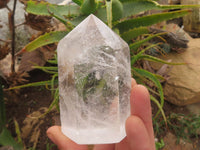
x: 94, y: 83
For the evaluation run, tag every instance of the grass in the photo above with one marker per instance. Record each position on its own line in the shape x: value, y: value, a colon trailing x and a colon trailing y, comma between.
x: 186, y: 127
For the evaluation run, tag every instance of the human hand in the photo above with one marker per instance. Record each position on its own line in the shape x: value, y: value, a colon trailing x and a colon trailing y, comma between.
x: 139, y: 127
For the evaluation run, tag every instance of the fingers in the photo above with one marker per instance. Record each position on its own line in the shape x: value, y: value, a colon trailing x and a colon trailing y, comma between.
x: 63, y: 142
x: 141, y: 107
x: 137, y: 135
x: 140, y: 104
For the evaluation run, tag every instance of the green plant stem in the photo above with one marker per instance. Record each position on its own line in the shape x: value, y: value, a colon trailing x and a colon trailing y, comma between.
x: 109, y: 13
x: 160, y: 109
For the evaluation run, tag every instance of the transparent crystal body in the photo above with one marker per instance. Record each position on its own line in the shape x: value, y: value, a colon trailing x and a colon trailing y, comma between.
x: 94, y: 83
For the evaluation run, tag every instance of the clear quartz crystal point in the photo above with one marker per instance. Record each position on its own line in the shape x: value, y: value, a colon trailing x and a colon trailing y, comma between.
x: 94, y: 83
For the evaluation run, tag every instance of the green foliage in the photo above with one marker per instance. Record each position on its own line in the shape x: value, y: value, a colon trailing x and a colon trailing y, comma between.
x: 17, y: 130
x: 120, y: 15
x: 137, y: 44
x: 6, y: 138
x: 148, y: 20
x: 145, y: 5
x: 117, y: 10
x: 46, y: 9
x: 45, y: 39
x: 160, y: 145
x: 153, y: 78
x: 78, y: 2
x: 155, y: 59
x: 184, y: 126
x: 89, y: 7
x: 109, y: 13
x: 41, y: 83
x: 133, y: 33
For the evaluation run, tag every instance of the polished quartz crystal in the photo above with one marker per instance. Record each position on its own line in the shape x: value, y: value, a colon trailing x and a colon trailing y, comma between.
x: 94, y: 83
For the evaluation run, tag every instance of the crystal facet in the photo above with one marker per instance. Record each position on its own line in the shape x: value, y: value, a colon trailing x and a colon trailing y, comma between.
x: 94, y: 83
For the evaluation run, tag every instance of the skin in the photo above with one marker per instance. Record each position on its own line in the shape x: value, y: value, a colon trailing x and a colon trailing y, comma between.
x: 139, y: 127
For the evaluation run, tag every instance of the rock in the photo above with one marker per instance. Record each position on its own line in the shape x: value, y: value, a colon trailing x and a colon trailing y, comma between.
x: 19, y: 18
x: 194, y: 109
x: 170, y: 143
x: 183, y: 86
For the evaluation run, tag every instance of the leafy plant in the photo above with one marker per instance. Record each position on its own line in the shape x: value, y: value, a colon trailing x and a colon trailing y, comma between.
x: 184, y: 126
x: 160, y: 145
x: 121, y: 16
x: 6, y: 138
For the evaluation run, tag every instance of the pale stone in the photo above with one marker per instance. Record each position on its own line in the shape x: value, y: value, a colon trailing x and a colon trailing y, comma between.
x: 170, y: 141
x: 183, y: 85
x: 94, y: 83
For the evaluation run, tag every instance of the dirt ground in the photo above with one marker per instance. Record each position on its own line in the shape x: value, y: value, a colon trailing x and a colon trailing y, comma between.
x: 28, y: 101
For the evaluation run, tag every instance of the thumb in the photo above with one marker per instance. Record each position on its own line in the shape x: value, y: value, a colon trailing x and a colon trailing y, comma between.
x: 63, y: 142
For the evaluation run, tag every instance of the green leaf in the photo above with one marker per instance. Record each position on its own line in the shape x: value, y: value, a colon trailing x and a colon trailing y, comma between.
x: 160, y: 144
x: 17, y: 130
x: 89, y: 7
x: 54, y: 79
x: 131, y: 34
x: 149, y: 20
x: 53, y: 61
x: 102, y: 14
x: 6, y: 139
x: 50, y: 70
x: 117, y: 10
x: 78, y: 2
x: 41, y: 83
x: 140, y: 54
x: 154, y: 79
x: 137, y: 44
x: 159, y: 107
x: 155, y: 59
x: 43, y: 8
x: 133, y: 7
x: 78, y: 20
x: 45, y: 39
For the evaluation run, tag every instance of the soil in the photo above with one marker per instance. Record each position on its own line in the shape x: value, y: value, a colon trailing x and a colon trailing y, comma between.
x: 29, y: 100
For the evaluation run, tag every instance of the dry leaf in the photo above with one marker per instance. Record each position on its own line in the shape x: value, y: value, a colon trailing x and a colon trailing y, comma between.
x: 3, y: 3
